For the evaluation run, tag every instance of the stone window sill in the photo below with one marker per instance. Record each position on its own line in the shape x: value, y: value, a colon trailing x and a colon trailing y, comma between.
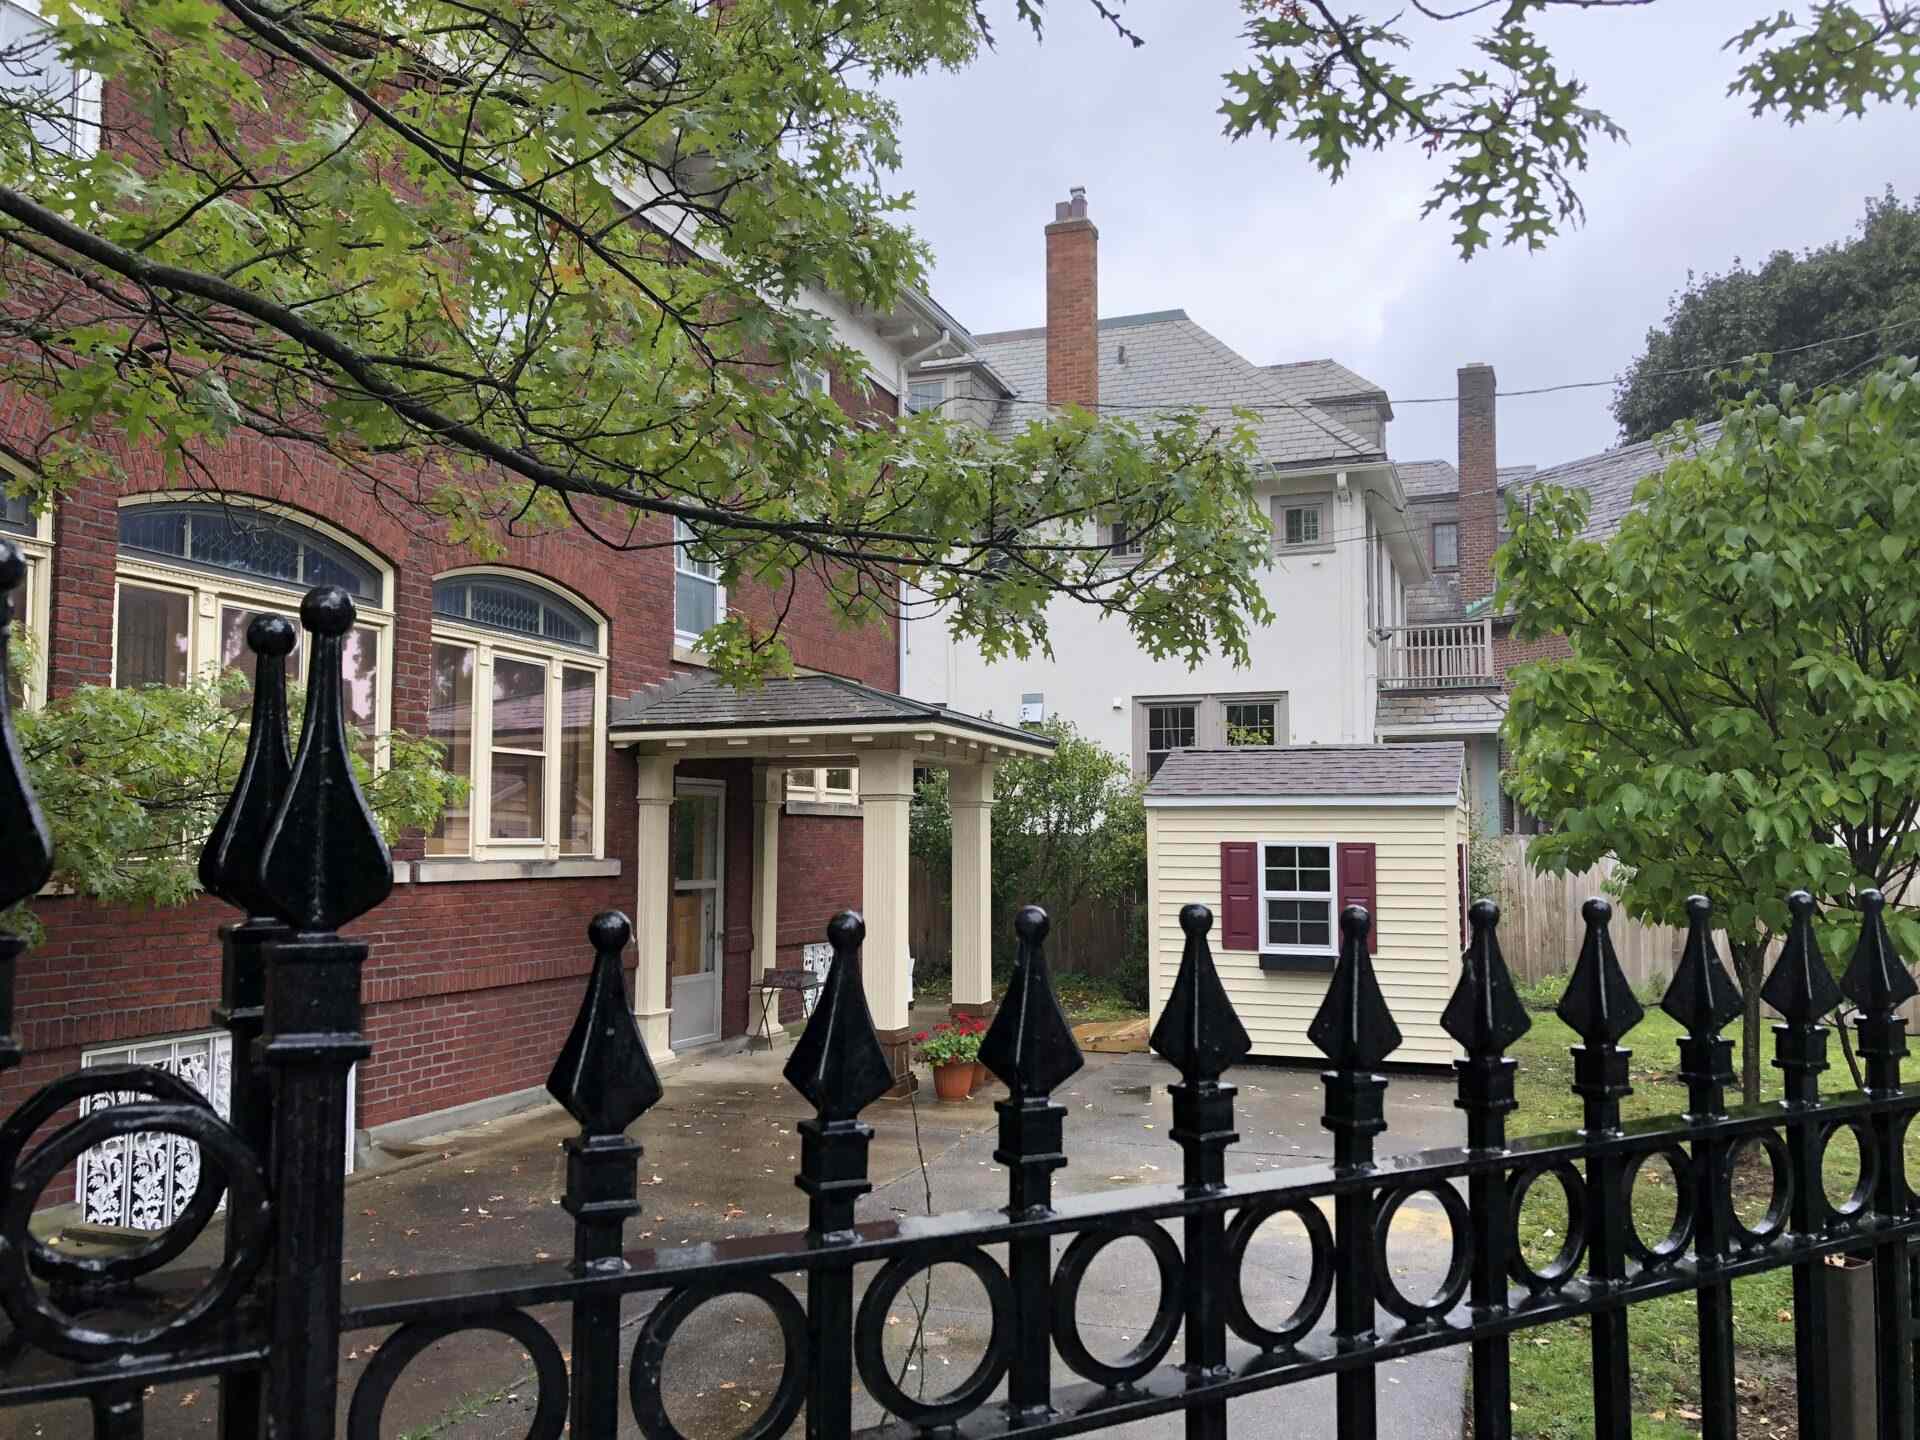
x: 837, y: 811
x: 436, y: 872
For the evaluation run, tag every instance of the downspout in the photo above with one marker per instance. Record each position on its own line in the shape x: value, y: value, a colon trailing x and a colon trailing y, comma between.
x: 907, y: 362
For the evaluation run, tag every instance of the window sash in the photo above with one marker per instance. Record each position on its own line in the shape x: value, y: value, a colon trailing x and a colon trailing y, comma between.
x: 571, y: 772
x: 925, y: 395
x: 699, y: 600
x: 1259, y: 716
x: 1167, y: 731
x: 1320, y: 901
x: 1300, y: 526
x: 815, y: 785
x: 1446, y: 545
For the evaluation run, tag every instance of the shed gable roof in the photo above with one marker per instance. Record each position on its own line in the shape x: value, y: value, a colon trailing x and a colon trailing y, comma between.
x: 1253, y: 773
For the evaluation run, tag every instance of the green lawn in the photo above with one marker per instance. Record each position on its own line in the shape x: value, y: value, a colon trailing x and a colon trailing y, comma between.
x: 1552, y: 1380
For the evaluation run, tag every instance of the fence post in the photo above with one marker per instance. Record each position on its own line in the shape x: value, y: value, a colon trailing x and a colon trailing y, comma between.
x: 230, y: 870
x: 1704, y: 999
x: 1802, y: 990
x: 324, y: 865
x: 1355, y: 1030
x: 1200, y: 1033
x: 839, y: 1067
x: 1878, y: 983
x: 1484, y: 1017
x: 605, y: 1079
x: 1600, y: 1008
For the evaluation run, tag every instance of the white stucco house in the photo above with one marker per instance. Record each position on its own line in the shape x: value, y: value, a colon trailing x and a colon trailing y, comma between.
x: 1345, y: 553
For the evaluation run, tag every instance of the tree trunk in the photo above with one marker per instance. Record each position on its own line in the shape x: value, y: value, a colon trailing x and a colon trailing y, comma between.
x: 1749, y: 964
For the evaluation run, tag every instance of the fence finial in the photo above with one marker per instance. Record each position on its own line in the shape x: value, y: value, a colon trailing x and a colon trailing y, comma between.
x: 29, y: 845
x: 1354, y: 1028
x: 1029, y: 1045
x: 325, y: 861
x: 604, y: 1076
x: 838, y: 1064
x: 1599, y: 1005
x: 230, y: 859
x: 1702, y: 996
x: 1801, y: 987
x: 1877, y: 979
x: 1199, y: 1030
x: 1485, y: 1014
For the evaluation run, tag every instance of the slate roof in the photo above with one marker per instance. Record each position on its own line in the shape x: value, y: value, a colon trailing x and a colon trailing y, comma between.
x: 700, y: 701
x: 1254, y: 772
x: 1330, y: 380
x: 1433, y: 479
x: 1171, y: 361
x: 1474, y: 710
x: 1611, y: 477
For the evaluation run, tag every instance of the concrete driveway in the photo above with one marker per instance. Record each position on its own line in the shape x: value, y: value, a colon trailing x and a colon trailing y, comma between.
x: 721, y: 1152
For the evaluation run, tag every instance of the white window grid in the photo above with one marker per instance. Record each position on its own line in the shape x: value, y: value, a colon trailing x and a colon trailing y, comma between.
x: 691, y: 570
x: 1324, y: 897
x: 824, y: 785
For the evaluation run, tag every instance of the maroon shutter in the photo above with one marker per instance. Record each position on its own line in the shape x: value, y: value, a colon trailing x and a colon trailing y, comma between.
x: 1357, y: 887
x: 1239, y: 895
x: 1463, y: 893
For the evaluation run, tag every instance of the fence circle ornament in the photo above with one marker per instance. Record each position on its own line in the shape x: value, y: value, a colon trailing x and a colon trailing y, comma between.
x: 1161, y: 1330
x: 162, y: 1246
x: 405, y: 1345
x: 1573, y: 1245
x: 1313, y: 1299
x: 52, y: 1328
x: 1673, y: 1244
x: 650, y: 1353
x: 1779, y: 1194
x: 1857, y: 1200
x: 1453, y: 1284
x: 870, y: 1329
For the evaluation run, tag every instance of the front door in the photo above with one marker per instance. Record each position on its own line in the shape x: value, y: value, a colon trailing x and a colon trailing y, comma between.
x: 693, y: 913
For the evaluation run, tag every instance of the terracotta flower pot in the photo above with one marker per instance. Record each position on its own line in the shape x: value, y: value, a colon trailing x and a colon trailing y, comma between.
x: 954, y: 1080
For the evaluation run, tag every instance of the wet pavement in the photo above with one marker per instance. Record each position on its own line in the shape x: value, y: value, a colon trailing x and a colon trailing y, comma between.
x: 721, y: 1150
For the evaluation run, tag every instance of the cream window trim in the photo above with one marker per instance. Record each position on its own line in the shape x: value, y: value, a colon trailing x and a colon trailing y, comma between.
x: 816, y: 791
x: 36, y: 548
x: 490, y: 646
x: 209, y: 590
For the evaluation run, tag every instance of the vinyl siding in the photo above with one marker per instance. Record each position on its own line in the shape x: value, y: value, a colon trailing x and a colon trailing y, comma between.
x: 1419, y: 902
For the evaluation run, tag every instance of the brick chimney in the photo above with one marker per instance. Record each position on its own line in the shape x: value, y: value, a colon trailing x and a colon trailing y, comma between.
x: 1479, y: 483
x: 1073, y: 305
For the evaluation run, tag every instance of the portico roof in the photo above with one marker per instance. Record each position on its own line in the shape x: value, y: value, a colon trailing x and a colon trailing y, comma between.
x: 700, y: 707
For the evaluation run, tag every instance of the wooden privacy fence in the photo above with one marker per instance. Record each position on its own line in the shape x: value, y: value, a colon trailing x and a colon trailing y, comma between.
x: 1540, y: 926
x: 1094, y: 937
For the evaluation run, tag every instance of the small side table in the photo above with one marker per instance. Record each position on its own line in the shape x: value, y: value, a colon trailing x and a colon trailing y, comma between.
x: 778, y: 982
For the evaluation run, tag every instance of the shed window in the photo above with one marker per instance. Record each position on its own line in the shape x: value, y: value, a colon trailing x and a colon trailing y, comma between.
x: 1296, y: 898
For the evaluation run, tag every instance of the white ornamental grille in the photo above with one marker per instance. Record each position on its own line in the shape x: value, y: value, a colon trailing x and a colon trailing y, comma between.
x: 140, y: 1182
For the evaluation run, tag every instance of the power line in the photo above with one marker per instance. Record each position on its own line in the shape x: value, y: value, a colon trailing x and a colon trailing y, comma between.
x: 1310, y: 406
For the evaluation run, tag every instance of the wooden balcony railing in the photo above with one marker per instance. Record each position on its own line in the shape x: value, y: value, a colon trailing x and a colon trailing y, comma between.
x: 1437, y: 656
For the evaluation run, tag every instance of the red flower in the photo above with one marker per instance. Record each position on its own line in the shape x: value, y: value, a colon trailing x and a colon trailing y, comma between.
x: 920, y: 1037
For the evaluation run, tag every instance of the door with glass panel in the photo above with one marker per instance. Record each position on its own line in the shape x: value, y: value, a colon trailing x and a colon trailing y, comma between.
x: 693, y: 913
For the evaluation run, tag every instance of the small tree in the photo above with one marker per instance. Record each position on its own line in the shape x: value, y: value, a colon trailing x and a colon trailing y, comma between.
x: 1065, y: 827
x: 131, y: 781
x: 1741, y: 712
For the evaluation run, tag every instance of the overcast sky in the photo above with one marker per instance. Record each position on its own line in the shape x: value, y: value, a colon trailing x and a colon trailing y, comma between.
x: 1255, y: 245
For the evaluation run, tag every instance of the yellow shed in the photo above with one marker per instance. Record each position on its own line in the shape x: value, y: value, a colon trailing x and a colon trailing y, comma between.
x: 1277, y: 840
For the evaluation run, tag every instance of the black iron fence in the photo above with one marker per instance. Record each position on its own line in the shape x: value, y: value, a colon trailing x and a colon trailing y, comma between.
x: 297, y: 853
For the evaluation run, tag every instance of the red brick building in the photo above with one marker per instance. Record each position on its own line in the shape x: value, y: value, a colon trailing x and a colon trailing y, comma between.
x: 517, y: 666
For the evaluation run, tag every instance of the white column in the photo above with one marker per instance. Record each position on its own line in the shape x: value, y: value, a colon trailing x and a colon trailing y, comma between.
x: 653, y: 879
x: 971, y: 789
x: 768, y: 786
x: 886, y: 790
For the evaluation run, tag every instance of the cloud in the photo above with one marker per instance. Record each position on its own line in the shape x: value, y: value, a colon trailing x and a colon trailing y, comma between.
x: 1255, y: 245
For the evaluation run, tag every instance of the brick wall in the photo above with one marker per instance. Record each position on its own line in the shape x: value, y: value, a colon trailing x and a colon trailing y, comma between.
x: 470, y: 985
x: 1073, y: 305
x: 1479, y: 494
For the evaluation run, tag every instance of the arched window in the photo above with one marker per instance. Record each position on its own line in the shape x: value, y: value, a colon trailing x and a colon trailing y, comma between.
x: 193, y: 573
x: 530, y: 744
x: 32, y: 535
